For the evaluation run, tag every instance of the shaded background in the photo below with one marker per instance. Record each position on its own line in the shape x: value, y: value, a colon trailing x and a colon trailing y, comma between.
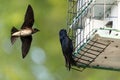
x: 44, y: 60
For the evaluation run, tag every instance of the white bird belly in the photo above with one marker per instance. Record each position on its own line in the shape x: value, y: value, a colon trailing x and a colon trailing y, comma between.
x: 23, y: 33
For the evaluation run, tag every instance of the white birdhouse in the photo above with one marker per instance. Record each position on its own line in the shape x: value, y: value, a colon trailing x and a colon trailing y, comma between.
x: 94, y: 27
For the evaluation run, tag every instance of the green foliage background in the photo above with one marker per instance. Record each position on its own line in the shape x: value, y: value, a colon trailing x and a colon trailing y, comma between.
x: 45, y: 60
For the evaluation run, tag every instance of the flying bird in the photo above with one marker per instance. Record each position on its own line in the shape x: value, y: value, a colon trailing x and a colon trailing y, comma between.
x: 67, y: 48
x: 26, y: 31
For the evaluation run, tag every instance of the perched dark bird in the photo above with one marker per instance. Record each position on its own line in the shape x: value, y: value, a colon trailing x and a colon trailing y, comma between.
x: 67, y: 48
x: 109, y: 25
x: 26, y: 31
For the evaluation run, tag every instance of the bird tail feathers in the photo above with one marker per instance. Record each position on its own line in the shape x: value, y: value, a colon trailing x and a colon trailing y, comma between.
x: 13, y: 38
x: 13, y: 30
x: 72, y: 62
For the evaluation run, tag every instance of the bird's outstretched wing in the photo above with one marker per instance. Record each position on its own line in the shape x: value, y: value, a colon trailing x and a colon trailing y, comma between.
x: 26, y: 43
x: 29, y: 18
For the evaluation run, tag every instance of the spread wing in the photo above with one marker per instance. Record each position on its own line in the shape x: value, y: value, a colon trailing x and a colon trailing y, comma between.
x: 29, y: 18
x: 26, y: 43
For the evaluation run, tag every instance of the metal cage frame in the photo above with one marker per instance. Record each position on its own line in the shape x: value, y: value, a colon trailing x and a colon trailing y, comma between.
x: 78, y: 11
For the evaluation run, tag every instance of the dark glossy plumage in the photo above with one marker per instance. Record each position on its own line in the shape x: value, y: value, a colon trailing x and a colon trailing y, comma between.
x: 26, y: 43
x: 29, y: 18
x: 28, y: 23
x: 67, y: 48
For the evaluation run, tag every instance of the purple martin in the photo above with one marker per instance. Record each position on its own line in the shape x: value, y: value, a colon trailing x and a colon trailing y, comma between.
x: 26, y: 31
x: 109, y: 25
x: 67, y: 48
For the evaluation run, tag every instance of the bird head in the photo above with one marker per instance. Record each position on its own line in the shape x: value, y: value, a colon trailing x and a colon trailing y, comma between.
x: 62, y: 33
x: 35, y: 30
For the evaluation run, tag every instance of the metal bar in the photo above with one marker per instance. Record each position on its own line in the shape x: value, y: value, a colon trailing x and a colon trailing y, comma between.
x: 75, y: 19
x: 109, y: 29
x: 101, y: 52
x: 87, y: 65
x: 92, y: 49
x: 88, y: 52
x: 95, y: 46
x: 104, y: 4
x: 82, y: 6
x: 105, y: 17
x: 87, y: 56
x: 85, y: 38
x: 75, y: 3
x: 82, y: 59
x: 99, y: 43
x: 82, y: 63
x: 84, y: 52
x: 104, y: 9
x: 83, y: 9
x: 77, y: 69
